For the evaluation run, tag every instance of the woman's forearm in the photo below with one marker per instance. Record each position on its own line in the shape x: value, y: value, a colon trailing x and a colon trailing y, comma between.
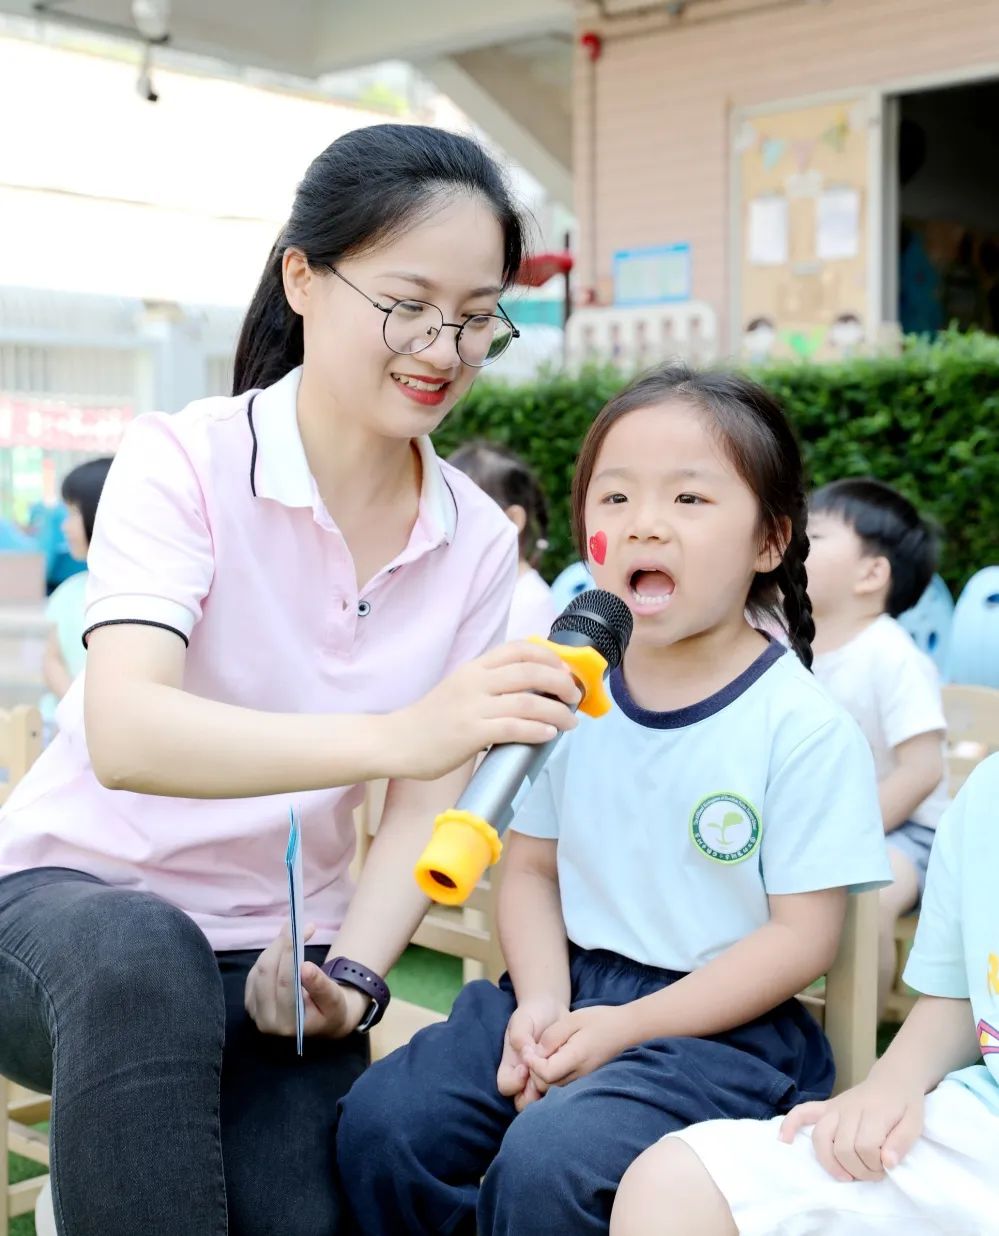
x: 532, y: 934
x: 157, y: 739
x: 388, y: 905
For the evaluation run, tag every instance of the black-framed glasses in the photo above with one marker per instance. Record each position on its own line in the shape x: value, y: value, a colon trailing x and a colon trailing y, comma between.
x: 411, y: 326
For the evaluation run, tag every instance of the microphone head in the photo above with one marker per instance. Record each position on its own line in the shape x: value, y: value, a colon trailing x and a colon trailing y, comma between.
x: 601, y: 618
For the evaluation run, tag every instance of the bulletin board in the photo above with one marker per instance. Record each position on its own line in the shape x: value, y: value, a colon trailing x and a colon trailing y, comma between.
x: 802, y: 200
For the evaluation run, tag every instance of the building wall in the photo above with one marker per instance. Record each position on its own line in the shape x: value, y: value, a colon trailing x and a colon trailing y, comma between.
x: 664, y: 92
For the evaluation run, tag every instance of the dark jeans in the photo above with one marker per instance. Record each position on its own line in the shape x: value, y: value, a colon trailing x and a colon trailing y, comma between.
x: 422, y: 1128
x: 169, y: 1107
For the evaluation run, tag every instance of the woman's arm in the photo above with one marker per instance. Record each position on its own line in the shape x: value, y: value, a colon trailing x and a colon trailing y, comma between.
x: 146, y: 734
x: 388, y: 905
x: 57, y: 677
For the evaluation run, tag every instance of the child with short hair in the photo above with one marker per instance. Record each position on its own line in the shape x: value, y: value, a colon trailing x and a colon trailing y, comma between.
x: 913, y: 1148
x: 678, y: 872
x: 508, y: 480
x: 872, y: 556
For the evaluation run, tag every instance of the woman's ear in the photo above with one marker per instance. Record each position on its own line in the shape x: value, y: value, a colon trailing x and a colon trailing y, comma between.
x: 517, y: 516
x: 298, y: 277
x: 772, y: 553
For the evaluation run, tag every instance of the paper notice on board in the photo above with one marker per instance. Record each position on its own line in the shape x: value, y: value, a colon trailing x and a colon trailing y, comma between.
x: 837, y: 224
x: 768, y: 231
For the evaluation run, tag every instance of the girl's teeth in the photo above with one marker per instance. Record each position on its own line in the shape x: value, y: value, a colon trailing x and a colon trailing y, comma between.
x: 417, y: 385
x: 641, y: 599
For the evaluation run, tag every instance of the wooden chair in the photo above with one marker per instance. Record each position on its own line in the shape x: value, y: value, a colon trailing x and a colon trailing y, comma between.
x: 972, y: 729
x: 847, y: 1008
x: 20, y: 743
x: 972, y: 733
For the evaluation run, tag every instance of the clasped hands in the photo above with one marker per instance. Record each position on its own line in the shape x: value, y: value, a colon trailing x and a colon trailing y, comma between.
x: 547, y: 1045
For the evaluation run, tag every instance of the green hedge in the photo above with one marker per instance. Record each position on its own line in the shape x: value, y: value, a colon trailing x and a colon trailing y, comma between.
x: 926, y: 421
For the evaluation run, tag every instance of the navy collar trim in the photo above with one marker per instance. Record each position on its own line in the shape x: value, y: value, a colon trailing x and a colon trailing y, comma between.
x: 680, y: 717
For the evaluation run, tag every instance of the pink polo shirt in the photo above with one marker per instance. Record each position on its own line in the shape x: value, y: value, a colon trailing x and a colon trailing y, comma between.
x: 211, y: 525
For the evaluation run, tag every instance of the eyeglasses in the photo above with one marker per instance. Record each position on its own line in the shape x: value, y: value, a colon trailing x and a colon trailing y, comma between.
x: 411, y: 326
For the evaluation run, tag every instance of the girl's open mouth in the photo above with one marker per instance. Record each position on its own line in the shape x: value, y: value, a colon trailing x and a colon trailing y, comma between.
x: 650, y: 591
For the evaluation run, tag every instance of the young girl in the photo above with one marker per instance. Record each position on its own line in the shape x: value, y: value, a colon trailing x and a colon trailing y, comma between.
x: 510, y: 482
x: 64, y: 652
x: 280, y: 581
x: 678, y: 873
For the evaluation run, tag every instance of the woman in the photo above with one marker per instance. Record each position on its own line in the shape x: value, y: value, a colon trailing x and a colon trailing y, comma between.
x: 287, y: 593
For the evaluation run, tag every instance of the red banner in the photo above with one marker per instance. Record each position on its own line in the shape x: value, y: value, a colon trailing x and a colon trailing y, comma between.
x: 57, y: 426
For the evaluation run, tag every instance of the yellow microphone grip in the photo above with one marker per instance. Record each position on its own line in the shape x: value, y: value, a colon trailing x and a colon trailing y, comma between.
x: 462, y: 846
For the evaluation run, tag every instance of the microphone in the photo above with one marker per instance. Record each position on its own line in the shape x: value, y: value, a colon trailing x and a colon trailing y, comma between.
x: 590, y: 635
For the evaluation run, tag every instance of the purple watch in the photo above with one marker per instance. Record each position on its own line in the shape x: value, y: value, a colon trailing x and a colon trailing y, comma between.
x: 352, y: 974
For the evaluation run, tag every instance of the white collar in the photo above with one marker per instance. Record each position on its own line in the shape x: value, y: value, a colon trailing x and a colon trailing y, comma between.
x: 280, y: 470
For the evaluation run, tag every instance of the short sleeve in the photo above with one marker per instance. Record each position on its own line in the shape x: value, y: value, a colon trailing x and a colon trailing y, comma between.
x: 151, y: 559
x: 936, y: 965
x: 908, y: 694
x: 821, y: 820
x: 483, y: 624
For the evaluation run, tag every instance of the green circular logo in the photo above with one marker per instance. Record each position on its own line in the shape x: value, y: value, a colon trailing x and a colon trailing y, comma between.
x: 726, y: 828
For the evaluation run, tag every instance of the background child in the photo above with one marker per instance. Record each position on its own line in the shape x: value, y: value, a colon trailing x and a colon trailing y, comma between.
x: 679, y: 870
x: 885, y: 1159
x: 64, y: 652
x: 510, y: 482
x: 871, y: 558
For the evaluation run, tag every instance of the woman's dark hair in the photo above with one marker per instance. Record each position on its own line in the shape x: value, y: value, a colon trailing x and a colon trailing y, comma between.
x: 369, y: 184
x: 888, y: 526
x: 758, y: 439
x: 82, y: 488
x: 505, y: 477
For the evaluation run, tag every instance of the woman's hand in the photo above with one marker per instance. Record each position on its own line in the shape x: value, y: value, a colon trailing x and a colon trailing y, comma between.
x: 330, y: 1010
x: 498, y: 698
x: 861, y: 1132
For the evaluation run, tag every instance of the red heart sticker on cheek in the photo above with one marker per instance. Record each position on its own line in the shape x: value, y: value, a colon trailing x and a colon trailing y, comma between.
x: 598, y: 547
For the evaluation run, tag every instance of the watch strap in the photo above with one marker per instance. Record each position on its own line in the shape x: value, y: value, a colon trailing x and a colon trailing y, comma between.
x: 353, y: 974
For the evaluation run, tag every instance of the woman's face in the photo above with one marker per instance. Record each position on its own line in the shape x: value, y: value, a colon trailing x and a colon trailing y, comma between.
x: 452, y: 259
x: 75, y: 533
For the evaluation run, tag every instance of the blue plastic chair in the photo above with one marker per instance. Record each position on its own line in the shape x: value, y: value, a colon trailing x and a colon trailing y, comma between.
x: 929, y: 622
x: 974, y: 635
x: 570, y: 583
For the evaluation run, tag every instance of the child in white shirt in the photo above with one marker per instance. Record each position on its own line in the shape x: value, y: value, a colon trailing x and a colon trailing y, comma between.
x: 871, y: 558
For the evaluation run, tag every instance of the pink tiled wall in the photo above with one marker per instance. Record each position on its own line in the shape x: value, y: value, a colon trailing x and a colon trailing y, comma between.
x: 663, y: 98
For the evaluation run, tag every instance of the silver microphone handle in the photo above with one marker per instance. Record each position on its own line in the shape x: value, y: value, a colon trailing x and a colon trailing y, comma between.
x: 495, y: 783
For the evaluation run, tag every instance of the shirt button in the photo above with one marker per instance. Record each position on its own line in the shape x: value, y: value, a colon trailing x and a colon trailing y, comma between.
x: 364, y: 608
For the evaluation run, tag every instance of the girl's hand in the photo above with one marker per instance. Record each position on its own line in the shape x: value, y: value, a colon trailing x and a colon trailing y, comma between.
x: 269, y: 997
x: 523, y: 1031
x: 578, y: 1043
x: 498, y: 698
x: 862, y: 1132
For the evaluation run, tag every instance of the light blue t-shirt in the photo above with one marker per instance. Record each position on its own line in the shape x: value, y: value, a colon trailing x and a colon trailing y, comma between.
x: 674, y: 827
x: 956, y: 951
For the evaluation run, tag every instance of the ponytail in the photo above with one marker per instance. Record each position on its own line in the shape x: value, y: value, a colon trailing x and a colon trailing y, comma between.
x: 270, y: 341
x: 792, y: 579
